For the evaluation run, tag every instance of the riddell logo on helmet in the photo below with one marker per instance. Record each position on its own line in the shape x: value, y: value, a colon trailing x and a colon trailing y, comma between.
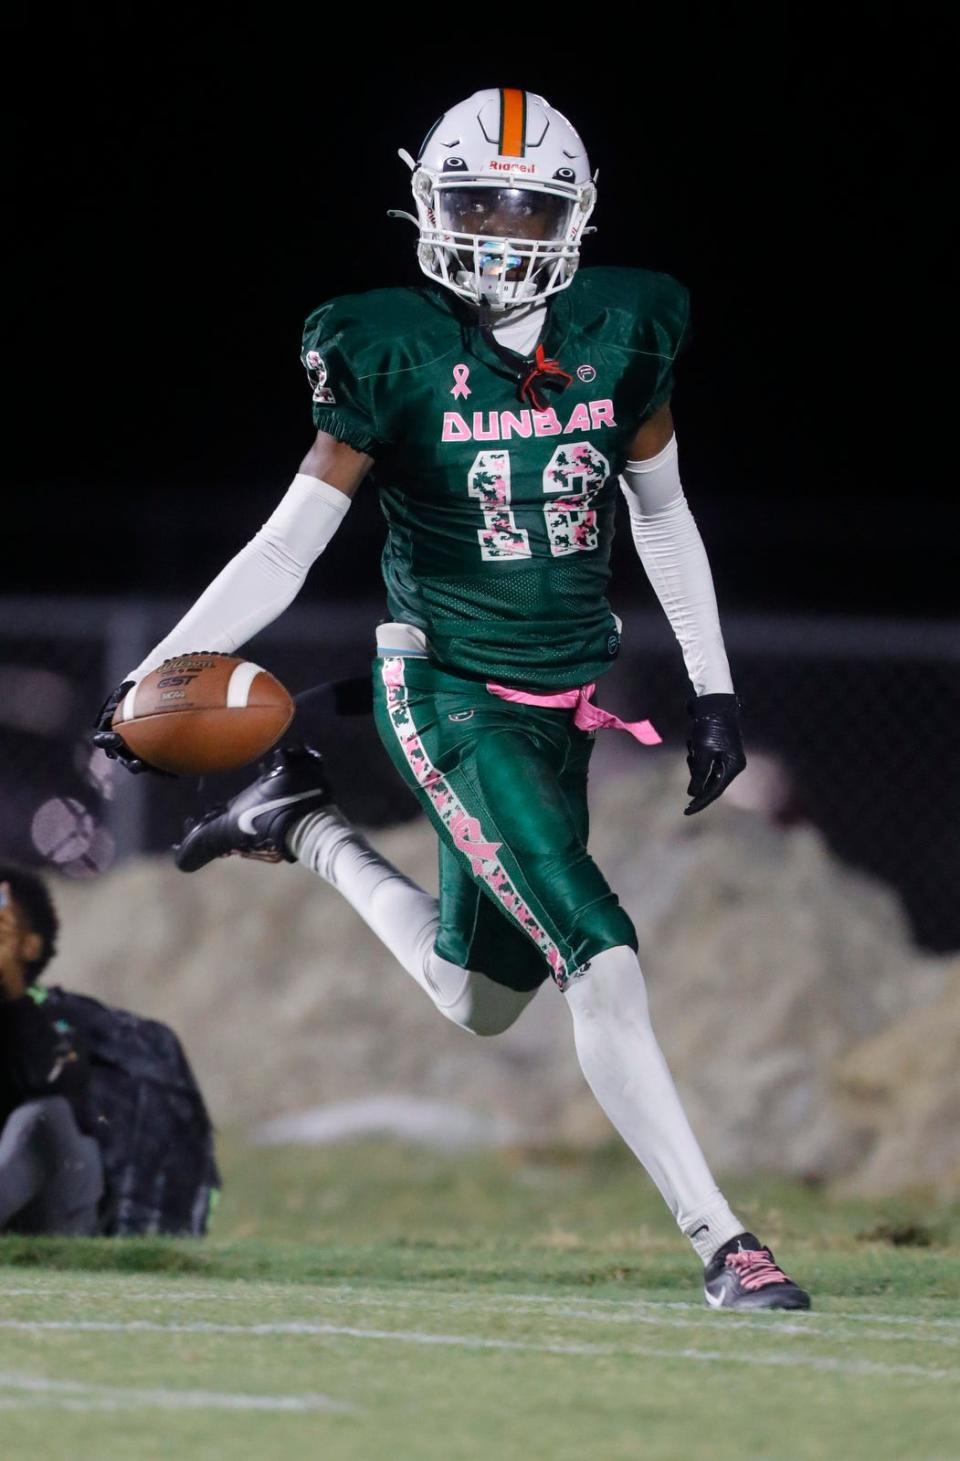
x: 499, y: 166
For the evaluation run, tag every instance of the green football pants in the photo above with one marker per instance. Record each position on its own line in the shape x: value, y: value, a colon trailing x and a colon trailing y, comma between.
x: 505, y: 786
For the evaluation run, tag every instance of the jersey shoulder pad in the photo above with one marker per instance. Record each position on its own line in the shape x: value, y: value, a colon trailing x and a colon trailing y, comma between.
x: 352, y: 342
x: 647, y: 310
x: 644, y: 317
x: 338, y: 341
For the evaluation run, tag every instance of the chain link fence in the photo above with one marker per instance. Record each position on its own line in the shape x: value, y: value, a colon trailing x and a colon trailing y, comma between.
x: 847, y: 725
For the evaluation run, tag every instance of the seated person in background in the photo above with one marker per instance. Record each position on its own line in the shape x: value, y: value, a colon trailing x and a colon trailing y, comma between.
x: 102, y: 1126
x: 51, y: 1173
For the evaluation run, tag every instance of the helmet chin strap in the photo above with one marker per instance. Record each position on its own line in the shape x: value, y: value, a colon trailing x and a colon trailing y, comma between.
x: 533, y: 372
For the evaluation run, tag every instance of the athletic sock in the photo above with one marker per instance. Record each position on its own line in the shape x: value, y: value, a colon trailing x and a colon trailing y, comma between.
x: 618, y: 1051
x: 626, y: 1070
x: 399, y: 912
x: 404, y: 918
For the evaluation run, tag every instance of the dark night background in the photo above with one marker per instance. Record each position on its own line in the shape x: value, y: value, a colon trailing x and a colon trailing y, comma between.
x: 178, y: 210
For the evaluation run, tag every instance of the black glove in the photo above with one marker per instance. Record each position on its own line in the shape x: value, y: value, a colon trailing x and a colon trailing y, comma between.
x: 112, y: 744
x: 714, y: 750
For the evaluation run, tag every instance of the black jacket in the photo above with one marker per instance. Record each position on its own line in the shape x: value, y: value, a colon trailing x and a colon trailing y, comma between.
x: 133, y: 1091
x: 41, y: 1054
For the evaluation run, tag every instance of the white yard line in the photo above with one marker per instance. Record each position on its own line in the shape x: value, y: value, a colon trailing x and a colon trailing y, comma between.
x: 75, y: 1289
x: 656, y: 1313
x: 74, y: 1394
x: 635, y: 1311
x: 799, y: 1325
x: 479, y: 1342
x: 77, y: 1285
x: 813, y: 1317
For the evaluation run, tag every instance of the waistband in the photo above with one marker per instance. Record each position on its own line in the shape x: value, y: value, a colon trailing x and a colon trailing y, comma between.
x: 409, y: 642
x: 404, y: 639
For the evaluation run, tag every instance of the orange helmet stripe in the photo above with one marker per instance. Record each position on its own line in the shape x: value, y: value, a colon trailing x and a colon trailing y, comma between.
x: 513, y: 121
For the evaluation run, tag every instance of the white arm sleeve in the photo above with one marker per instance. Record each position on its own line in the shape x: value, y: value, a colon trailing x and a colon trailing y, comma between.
x: 672, y: 553
x: 263, y: 579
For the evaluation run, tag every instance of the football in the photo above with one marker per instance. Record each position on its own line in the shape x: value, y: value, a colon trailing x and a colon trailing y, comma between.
x: 203, y: 712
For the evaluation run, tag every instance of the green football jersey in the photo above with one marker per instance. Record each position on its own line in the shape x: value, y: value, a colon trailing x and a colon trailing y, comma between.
x: 500, y: 517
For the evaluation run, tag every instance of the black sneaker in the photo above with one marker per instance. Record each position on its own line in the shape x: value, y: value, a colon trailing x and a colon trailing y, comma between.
x: 255, y: 822
x: 743, y: 1275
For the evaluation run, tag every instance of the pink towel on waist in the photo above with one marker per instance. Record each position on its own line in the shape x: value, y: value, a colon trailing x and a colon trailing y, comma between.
x: 586, y: 717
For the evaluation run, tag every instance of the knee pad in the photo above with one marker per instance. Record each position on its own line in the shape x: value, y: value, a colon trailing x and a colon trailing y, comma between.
x: 610, y: 986
x: 480, y: 1004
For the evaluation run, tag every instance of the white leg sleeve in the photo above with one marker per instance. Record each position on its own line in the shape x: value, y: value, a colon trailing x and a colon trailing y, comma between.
x: 480, y: 1004
x: 405, y: 919
x: 628, y: 1074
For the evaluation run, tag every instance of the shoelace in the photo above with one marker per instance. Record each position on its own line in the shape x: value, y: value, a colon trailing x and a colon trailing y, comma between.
x: 755, y: 1268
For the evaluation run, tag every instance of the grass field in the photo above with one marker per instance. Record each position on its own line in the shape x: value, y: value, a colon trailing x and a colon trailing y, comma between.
x: 369, y: 1302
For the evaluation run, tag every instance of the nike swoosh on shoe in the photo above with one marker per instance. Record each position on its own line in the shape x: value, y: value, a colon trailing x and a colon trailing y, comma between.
x: 246, y: 820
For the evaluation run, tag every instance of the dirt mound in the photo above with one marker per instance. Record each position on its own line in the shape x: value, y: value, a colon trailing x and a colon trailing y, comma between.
x: 901, y: 1091
x: 768, y: 962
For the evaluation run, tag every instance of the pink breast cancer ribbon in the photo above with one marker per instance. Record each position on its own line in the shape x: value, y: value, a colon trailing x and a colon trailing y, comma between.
x: 468, y: 838
x: 586, y: 717
x: 461, y: 374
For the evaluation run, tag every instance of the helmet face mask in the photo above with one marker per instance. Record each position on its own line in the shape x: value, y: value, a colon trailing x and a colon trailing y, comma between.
x: 502, y: 229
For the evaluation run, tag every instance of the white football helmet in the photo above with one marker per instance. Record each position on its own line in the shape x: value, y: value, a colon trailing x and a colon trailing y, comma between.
x: 503, y: 192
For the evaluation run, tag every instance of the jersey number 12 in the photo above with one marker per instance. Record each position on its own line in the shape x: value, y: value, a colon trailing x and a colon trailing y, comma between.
x: 578, y: 472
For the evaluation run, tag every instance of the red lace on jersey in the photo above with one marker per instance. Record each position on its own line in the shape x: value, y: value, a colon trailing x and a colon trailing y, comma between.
x: 551, y: 370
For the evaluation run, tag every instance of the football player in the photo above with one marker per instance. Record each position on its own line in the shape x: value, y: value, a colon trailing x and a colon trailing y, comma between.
x: 497, y: 406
